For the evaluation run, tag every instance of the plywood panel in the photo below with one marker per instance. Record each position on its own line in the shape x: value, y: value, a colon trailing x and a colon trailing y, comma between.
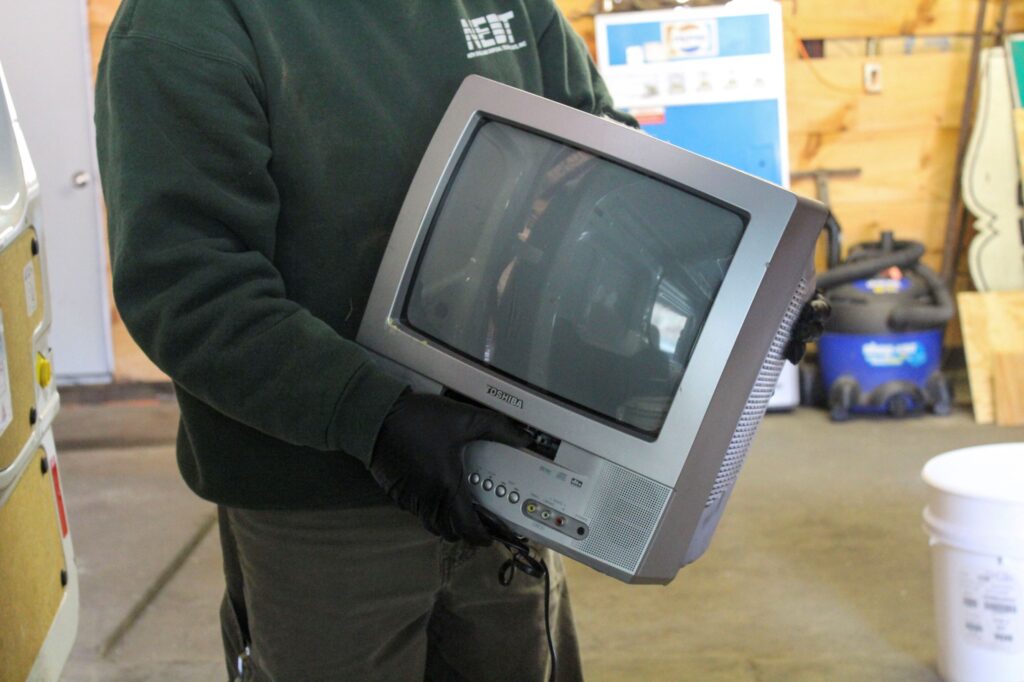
x: 991, y: 322
x: 904, y: 184
x: 1008, y: 388
x: 919, y: 91
x: 19, y: 325
x: 580, y: 14
x: 917, y: 221
x: 850, y: 18
x: 898, y: 165
x: 101, y: 14
x: 31, y: 562
x: 974, y: 328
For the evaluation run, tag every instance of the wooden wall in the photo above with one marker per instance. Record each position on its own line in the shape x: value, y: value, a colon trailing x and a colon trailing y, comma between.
x: 855, y: 18
x: 903, y: 139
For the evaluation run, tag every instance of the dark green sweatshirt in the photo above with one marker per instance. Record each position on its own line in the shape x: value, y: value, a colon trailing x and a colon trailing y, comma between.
x: 255, y: 154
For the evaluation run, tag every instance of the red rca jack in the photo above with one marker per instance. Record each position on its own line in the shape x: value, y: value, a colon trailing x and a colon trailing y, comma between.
x: 560, y: 521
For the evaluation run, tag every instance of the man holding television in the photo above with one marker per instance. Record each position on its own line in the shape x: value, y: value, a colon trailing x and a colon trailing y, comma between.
x: 254, y: 159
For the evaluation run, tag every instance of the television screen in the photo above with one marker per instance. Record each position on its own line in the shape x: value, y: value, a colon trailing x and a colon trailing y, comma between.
x: 573, y: 274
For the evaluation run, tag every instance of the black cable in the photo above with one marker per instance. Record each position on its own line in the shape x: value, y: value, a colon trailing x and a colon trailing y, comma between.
x: 535, y: 567
x: 520, y: 558
x: 547, y: 620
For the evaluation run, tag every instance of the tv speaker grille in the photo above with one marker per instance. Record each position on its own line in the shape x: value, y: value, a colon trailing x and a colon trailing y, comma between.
x: 624, y: 512
x: 757, y: 403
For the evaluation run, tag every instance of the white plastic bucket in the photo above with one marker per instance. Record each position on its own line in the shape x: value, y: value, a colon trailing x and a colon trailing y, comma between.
x: 975, y: 519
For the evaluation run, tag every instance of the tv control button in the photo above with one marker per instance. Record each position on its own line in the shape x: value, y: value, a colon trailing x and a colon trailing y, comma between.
x: 474, y: 479
x: 500, y: 491
x: 488, y: 484
x: 513, y: 497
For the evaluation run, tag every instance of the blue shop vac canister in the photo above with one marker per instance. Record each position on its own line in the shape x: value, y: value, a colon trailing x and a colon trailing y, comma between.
x: 882, y: 346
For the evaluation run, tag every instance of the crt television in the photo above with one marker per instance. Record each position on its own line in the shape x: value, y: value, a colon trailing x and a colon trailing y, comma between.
x: 625, y: 300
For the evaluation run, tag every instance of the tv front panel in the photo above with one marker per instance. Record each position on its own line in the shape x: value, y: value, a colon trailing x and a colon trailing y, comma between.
x: 626, y: 300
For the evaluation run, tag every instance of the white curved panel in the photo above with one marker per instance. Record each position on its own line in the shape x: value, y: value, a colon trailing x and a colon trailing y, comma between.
x: 991, y: 178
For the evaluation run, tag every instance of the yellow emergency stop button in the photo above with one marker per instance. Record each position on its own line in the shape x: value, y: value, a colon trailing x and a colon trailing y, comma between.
x: 44, y: 370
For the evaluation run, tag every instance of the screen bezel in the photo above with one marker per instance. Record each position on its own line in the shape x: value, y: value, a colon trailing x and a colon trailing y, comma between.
x: 424, y: 245
x: 768, y: 209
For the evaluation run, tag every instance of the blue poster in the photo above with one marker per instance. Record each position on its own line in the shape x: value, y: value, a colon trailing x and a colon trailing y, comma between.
x: 710, y: 80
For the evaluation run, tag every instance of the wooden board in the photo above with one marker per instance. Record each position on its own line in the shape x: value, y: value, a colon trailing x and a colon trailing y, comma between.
x: 132, y: 365
x: 1008, y: 388
x: 904, y: 186
x: 580, y: 14
x: 813, y: 19
x: 19, y: 329
x: 896, y: 165
x: 991, y: 322
x: 101, y: 15
x: 865, y: 222
x: 826, y: 96
x: 31, y: 562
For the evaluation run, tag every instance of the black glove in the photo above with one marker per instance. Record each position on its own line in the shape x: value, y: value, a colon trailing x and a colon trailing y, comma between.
x: 808, y: 327
x: 417, y: 460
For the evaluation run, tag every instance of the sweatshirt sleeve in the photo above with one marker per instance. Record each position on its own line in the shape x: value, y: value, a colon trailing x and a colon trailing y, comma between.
x: 570, y: 75
x: 184, y: 149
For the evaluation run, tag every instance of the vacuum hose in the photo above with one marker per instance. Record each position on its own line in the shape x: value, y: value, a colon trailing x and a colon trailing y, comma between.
x: 910, y: 317
x: 903, y: 255
x: 899, y: 254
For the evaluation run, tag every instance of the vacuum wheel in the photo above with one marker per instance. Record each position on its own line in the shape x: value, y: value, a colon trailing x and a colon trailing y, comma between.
x: 812, y: 389
x: 842, y: 397
x: 938, y: 392
x: 900, y: 405
x: 900, y: 399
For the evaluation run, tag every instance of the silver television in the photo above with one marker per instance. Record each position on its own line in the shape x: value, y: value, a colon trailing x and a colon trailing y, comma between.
x: 625, y: 300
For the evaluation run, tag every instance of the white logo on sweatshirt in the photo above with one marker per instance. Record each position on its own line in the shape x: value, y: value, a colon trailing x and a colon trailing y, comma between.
x: 489, y: 34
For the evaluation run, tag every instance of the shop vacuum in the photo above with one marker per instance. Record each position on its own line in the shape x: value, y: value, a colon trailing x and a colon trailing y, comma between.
x: 882, y: 347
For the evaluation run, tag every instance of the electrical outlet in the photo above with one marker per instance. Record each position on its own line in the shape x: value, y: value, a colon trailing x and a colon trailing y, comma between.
x: 873, y: 78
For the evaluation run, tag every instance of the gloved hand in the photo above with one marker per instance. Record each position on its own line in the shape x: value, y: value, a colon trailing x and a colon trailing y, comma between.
x: 417, y: 460
x: 808, y: 327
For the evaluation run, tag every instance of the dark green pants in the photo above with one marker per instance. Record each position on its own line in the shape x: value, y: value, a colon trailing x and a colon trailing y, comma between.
x: 367, y: 594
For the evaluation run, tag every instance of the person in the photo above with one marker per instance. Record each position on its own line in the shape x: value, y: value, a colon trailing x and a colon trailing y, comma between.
x: 254, y: 156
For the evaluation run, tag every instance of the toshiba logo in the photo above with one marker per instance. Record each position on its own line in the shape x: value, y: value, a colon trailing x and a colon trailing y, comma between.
x: 505, y: 397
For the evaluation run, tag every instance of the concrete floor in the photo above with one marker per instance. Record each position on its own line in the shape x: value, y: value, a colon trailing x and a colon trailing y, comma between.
x: 819, y: 571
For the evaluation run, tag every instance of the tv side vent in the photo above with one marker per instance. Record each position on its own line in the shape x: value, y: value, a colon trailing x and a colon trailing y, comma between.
x: 757, y: 403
